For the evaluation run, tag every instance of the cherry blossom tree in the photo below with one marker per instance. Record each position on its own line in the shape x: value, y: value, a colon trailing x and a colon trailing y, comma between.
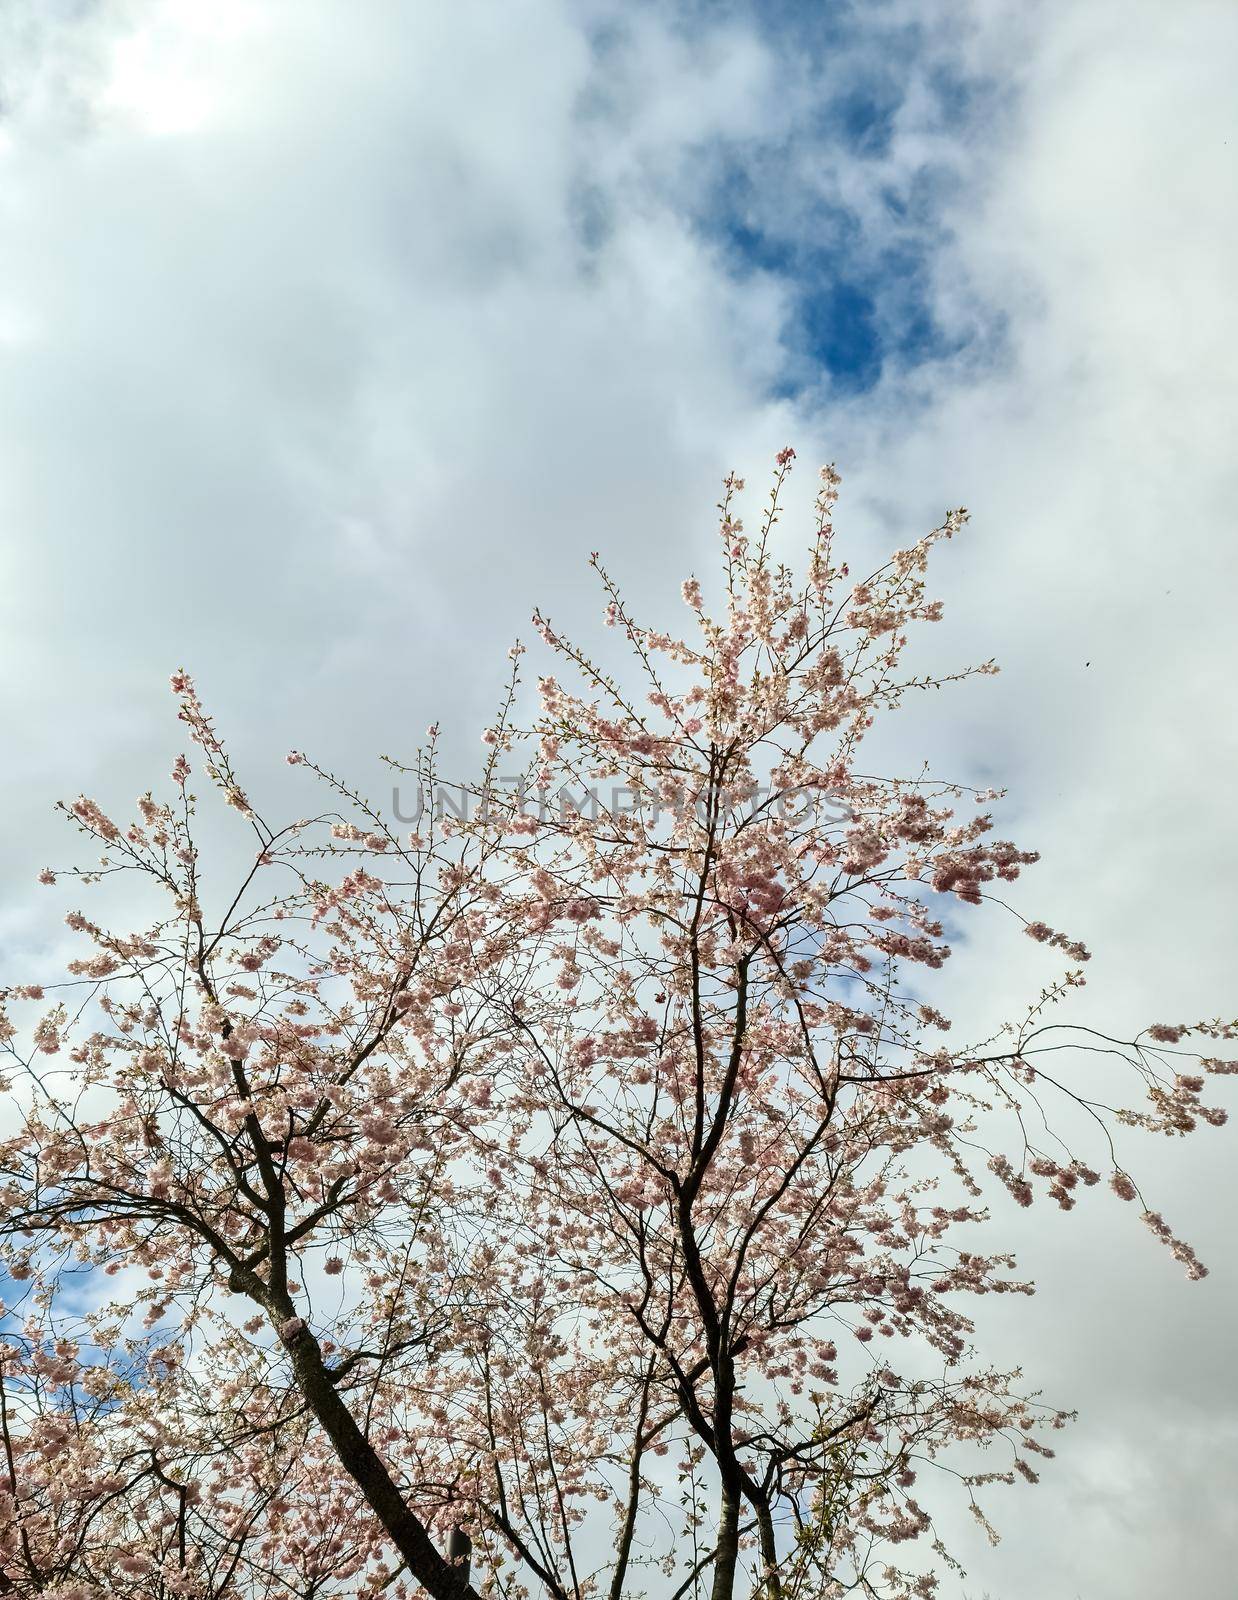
x: 576, y: 1196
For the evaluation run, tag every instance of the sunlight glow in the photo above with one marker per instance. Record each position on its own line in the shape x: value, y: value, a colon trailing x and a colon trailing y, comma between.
x: 170, y: 76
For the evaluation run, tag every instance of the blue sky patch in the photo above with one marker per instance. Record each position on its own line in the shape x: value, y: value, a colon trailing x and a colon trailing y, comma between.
x: 859, y: 274
x: 851, y: 310
x: 839, y: 332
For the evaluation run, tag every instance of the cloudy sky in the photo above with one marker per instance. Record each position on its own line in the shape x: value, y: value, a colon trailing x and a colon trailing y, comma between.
x: 334, y: 336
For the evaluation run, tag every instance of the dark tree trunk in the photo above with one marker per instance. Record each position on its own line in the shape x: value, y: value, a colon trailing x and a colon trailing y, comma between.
x: 460, y: 1551
x: 369, y: 1472
x: 727, y: 1558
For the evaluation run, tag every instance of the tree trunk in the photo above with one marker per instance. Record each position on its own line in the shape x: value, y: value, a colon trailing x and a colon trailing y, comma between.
x: 771, y: 1582
x: 728, y: 1543
x: 369, y: 1472
x: 460, y: 1551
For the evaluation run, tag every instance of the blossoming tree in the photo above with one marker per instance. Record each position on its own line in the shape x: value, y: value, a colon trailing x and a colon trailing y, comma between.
x: 572, y: 1197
